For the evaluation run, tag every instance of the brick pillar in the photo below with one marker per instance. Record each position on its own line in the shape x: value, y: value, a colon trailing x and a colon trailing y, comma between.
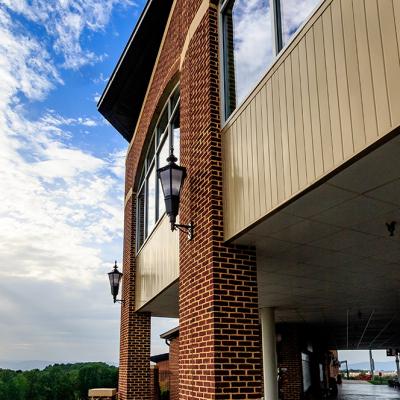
x: 220, y: 350
x: 289, y: 360
x: 134, y: 364
x: 174, y: 369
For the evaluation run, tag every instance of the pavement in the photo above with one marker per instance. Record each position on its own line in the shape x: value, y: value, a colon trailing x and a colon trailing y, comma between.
x: 366, y: 391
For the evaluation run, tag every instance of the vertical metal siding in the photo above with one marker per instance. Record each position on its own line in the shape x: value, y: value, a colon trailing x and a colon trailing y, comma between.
x: 157, y: 263
x: 333, y: 92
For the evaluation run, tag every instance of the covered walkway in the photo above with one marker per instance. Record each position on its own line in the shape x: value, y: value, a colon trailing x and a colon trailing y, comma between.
x: 366, y: 391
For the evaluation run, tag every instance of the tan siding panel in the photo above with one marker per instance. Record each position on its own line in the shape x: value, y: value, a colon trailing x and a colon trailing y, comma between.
x: 391, y: 57
x: 335, y: 91
x: 336, y: 129
x: 364, y: 62
x: 157, y: 263
x: 323, y: 98
x: 377, y: 65
x: 284, y: 132
x: 353, y: 75
x: 396, y: 9
x: 341, y: 73
x: 278, y: 138
x: 240, y: 176
x: 294, y: 175
x: 260, y: 154
x: 272, y: 153
x: 313, y: 93
x: 254, y: 158
x: 302, y: 113
x: 228, y: 179
x: 266, y: 146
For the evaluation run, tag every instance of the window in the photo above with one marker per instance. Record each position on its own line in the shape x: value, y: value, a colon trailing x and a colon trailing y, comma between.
x: 294, y: 13
x: 254, y: 31
x: 150, y: 201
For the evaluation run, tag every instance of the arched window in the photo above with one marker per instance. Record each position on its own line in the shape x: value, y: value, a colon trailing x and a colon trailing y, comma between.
x: 150, y: 202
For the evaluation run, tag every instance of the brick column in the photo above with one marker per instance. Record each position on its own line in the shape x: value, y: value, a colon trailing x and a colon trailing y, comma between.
x: 134, y: 364
x: 220, y: 351
x: 174, y: 369
x: 289, y: 360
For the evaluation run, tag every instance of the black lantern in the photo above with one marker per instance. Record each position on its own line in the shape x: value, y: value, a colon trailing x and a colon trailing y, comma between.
x: 115, y: 278
x: 172, y: 177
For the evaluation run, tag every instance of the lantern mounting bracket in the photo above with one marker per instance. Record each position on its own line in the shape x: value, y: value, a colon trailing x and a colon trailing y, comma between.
x: 188, y: 229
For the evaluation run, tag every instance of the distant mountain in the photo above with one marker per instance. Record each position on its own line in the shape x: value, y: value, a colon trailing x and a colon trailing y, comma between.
x: 24, y: 365
x: 35, y: 364
x: 379, y: 366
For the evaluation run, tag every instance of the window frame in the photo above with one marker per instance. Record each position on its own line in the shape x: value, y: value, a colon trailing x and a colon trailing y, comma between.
x: 154, y: 145
x: 278, y: 47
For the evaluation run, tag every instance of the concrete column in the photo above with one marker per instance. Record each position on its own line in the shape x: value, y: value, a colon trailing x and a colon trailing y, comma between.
x: 397, y: 367
x: 267, y: 316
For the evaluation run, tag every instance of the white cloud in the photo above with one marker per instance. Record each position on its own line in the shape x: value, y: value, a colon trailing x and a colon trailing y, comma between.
x: 57, y: 202
x: 66, y: 20
x: 60, y: 206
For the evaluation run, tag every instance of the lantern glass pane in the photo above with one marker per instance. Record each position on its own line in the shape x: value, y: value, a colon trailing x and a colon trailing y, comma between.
x: 166, y: 181
x: 113, y: 279
x: 176, y: 181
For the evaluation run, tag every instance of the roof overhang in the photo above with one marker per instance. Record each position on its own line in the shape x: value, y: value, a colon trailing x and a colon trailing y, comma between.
x: 122, y: 99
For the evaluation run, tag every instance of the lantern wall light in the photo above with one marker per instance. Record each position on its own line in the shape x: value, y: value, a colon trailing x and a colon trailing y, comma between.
x: 115, y: 278
x: 172, y: 177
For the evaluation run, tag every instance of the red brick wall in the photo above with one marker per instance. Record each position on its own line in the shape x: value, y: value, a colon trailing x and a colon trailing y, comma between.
x: 219, y: 323
x: 289, y: 360
x: 134, y: 376
x: 164, y: 374
x: 155, y: 383
x: 174, y: 369
x: 134, y: 364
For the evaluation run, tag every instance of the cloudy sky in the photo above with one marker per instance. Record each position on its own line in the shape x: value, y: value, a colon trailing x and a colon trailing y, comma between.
x: 61, y: 179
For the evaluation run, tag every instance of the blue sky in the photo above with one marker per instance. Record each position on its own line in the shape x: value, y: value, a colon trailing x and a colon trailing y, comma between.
x: 61, y: 179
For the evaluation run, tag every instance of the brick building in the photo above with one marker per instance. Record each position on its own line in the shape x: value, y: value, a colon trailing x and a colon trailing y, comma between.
x: 286, y: 116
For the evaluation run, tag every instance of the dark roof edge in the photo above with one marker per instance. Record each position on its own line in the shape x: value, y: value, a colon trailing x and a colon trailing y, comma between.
x: 160, y: 357
x: 171, y: 334
x: 126, y: 49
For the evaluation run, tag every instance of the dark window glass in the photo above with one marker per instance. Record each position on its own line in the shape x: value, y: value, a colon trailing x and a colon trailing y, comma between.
x: 162, y: 123
x: 141, y: 220
x: 151, y: 200
x: 162, y: 160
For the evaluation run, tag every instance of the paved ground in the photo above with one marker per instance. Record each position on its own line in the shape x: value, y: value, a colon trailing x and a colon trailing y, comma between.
x: 366, y: 391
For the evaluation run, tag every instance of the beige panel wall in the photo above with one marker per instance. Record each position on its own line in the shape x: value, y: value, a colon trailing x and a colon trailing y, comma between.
x: 157, y: 263
x: 333, y: 92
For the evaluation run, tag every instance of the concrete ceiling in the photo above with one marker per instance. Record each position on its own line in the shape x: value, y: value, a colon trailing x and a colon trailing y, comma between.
x: 166, y: 304
x: 327, y: 259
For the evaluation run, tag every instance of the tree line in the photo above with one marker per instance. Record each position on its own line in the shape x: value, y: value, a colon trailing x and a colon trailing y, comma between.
x: 57, y: 382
